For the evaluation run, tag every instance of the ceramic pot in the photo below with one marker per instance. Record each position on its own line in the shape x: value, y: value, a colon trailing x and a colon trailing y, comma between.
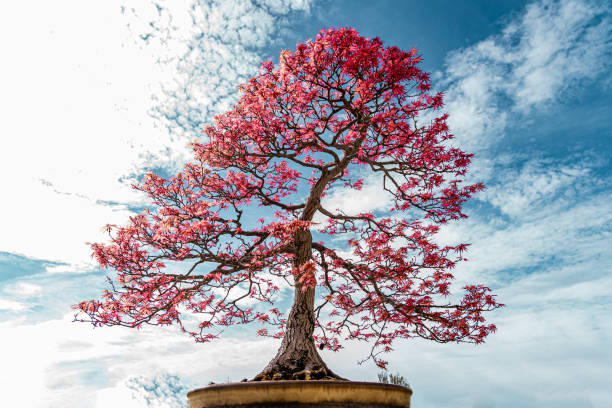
x: 301, y: 394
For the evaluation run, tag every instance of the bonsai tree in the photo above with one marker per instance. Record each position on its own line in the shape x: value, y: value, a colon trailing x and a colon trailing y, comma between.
x: 337, y: 109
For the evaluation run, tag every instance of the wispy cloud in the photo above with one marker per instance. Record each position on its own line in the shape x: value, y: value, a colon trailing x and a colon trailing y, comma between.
x: 72, y: 361
x: 210, y: 47
x: 548, y: 236
x: 542, y: 57
x: 371, y: 197
x: 538, y: 184
x: 23, y: 289
x: 92, y: 102
x: 11, y: 305
x: 160, y: 391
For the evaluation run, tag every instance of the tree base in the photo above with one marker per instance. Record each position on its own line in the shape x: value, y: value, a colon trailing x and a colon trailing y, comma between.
x: 297, y: 366
x: 320, y: 374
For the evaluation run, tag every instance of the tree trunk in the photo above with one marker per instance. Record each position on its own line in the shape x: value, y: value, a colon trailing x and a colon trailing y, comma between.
x: 297, y: 357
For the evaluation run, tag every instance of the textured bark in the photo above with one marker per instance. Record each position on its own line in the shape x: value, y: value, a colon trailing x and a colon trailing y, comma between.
x: 297, y: 357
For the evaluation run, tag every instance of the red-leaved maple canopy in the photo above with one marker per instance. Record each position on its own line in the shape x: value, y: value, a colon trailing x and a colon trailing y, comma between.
x: 335, y: 111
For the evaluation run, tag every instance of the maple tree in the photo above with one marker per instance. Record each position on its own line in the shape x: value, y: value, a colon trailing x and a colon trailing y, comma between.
x: 338, y: 106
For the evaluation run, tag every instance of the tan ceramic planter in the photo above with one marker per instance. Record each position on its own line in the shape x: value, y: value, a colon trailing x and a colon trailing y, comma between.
x: 301, y: 394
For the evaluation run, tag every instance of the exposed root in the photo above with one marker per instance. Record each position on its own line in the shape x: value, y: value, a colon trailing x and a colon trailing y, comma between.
x: 297, y: 369
x: 322, y: 374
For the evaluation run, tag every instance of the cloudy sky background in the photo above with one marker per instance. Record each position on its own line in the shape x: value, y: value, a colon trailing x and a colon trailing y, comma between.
x: 95, y: 94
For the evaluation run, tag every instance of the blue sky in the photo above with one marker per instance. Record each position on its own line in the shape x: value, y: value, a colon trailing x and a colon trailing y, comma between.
x: 95, y: 94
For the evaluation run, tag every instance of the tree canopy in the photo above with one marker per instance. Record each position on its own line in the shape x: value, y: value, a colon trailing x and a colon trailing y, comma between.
x: 335, y: 111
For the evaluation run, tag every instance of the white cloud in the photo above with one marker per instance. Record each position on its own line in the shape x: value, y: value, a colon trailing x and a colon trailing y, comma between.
x: 541, y: 56
x: 71, y: 268
x: 95, y: 95
x: 118, y: 396
x: 73, y: 146
x: 67, y: 363
x: 11, y: 305
x: 371, y: 197
x: 55, y: 226
x: 23, y: 289
x: 214, y: 46
x: 560, y: 45
x: 285, y: 6
x: 573, y: 234
x: 160, y: 391
x: 537, y: 184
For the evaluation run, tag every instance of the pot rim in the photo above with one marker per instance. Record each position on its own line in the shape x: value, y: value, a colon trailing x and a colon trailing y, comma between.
x: 285, y: 383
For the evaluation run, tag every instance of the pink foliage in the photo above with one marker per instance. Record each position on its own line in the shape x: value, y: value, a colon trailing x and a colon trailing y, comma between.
x: 340, y: 100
